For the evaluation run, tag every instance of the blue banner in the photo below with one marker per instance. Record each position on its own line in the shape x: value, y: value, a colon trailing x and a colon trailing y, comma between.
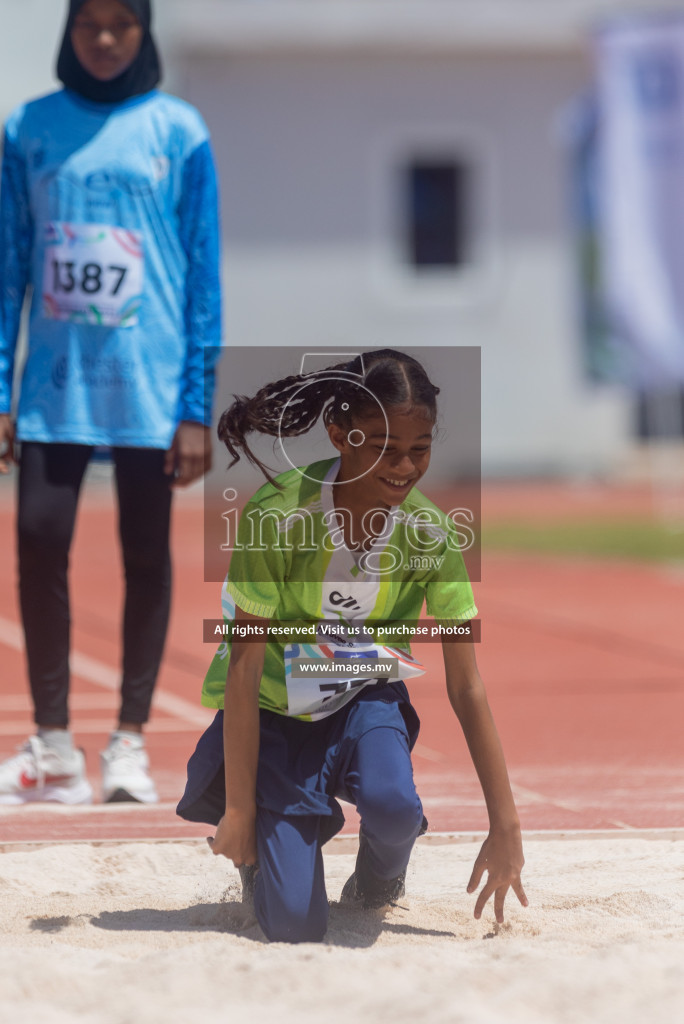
x: 640, y: 194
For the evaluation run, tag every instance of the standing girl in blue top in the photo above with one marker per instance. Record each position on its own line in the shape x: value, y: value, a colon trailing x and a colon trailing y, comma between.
x: 348, y: 547
x: 109, y: 220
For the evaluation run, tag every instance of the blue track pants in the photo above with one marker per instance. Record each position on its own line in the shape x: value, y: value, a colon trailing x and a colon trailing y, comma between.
x: 290, y: 899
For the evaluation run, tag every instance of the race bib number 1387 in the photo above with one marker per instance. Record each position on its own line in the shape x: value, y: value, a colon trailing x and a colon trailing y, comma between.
x: 93, y: 274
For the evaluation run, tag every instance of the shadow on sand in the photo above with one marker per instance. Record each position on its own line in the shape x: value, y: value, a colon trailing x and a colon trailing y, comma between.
x: 349, y: 926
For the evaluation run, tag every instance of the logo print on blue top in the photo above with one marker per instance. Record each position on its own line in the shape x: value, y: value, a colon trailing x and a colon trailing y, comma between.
x: 60, y: 372
x: 101, y: 181
x: 37, y: 158
x: 112, y: 183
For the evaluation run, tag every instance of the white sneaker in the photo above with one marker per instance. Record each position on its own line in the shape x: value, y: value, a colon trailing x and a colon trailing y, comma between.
x: 39, y: 774
x: 126, y: 772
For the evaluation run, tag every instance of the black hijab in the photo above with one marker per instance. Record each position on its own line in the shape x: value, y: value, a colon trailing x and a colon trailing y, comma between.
x: 143, y: 74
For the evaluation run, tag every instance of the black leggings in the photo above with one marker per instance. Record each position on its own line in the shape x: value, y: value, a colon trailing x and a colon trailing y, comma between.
x: 50, y: 477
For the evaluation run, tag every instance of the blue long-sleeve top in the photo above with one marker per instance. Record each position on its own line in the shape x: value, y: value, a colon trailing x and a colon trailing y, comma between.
x: 109, y: 216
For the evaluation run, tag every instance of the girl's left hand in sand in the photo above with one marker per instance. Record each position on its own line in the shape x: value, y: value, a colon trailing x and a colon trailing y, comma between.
x: 502, y: 858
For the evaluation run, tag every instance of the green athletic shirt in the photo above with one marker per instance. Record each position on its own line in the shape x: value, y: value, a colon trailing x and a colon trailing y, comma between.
x: 290, y: 563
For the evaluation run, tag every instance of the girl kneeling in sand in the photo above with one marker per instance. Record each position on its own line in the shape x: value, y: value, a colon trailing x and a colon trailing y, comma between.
x: 327, y: 546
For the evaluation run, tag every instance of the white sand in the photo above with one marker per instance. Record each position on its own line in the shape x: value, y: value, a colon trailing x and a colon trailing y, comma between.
x: 140, y: 933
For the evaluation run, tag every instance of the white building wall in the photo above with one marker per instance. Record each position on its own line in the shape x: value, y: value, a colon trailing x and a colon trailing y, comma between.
x: 308, y: 147
x: 28, y: 49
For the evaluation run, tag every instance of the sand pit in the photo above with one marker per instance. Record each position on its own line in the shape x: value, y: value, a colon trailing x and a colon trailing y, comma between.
x: 135, y: 933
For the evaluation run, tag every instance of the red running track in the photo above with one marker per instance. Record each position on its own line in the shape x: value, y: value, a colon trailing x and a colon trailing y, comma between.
x: 583, y: 662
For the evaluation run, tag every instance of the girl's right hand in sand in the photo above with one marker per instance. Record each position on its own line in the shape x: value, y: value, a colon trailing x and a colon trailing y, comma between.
x: 236, y: 837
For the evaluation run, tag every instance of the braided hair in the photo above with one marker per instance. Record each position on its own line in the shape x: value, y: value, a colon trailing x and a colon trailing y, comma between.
x: 290, y: 407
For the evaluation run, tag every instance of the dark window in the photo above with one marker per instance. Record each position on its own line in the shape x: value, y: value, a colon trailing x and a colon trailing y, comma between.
x: 660, y: 414
x: 437, y: 223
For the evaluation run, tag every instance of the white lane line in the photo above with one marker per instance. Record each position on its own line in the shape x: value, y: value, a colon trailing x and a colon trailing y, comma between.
x: 11, y: 635
x: 530, y: 796
x: 85, y: 810
x: 428, y: 754
x: 98, y: 726
x: 77, y: 702
x: 97, y: 672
